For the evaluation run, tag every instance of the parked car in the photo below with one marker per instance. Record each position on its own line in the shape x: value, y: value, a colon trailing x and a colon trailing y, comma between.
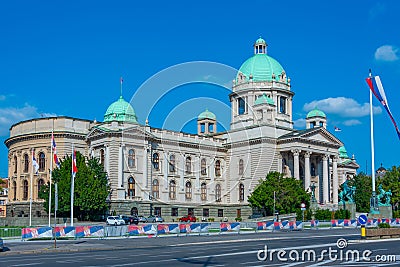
x: 142, y: 219
x: 115, y: 220
x: 1, y: 244
x: 155, y: 218
x: 130, y: 219
x: 188, y: 218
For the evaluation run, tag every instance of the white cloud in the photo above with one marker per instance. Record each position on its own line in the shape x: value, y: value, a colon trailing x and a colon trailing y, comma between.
x: 387, y: 53
x: 351, y: 122
x: 300, y: 123
x: 342, y: 106
x: 11, y: 115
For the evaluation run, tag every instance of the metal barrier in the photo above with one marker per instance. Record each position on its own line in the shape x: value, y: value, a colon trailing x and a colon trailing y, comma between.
x: 6, y: 233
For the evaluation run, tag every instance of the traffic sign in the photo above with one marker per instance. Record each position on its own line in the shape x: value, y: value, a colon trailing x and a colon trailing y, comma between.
x: 362, y: 219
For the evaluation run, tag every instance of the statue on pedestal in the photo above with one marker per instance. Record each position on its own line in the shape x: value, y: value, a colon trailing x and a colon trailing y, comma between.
x: 347, y: 195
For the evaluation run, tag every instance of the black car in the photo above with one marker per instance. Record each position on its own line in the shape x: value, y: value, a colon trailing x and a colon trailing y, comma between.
x: 130, y: 219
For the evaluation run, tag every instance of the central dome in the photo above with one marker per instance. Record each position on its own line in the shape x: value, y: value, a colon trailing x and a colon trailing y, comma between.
x: 121, y: 111
x: 260, y: 67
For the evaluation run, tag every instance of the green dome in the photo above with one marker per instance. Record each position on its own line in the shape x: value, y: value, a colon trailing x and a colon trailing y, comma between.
x: 343, y: 153
x: 260, y: 41
x: 121, y: 111
x: 207, y: 115
x: 316, y: 113
x: 264, y: 99
x: 261, y: 67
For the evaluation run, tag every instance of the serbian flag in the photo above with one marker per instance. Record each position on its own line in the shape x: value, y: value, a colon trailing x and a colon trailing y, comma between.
x: 337, y: 129
x: 34, y: 162
x: 375, y: 84
x: 54, y: 147
x: 74, y: 168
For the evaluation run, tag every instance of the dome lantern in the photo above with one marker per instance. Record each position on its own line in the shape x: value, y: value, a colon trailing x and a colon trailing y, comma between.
x: 260, y: 46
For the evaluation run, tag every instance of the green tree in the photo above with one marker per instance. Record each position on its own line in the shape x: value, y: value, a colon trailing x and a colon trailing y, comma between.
x: 289, y: 194
x: 90, y: 188
x: 363, y: 184
x: 391, y: 181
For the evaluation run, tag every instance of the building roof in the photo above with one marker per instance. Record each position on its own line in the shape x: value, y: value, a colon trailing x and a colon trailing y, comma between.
x: 120, y: 111
x: 343, y: 153
x: 260, y: 41
x: 264, y: 99
x: 207, y: 115
x: 316, y: 113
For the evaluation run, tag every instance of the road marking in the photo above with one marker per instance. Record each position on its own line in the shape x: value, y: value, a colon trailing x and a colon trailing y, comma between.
x: 27, y: 264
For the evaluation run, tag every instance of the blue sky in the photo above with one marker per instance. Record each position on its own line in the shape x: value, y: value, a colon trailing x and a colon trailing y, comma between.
x: 66, y: 58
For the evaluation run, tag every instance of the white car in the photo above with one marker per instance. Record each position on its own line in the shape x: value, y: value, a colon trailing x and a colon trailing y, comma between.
x: 114, y: 220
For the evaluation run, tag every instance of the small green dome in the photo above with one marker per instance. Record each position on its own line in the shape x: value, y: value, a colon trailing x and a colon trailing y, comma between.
x: 121, y: 111
x: 260, y: 41
x: 207, y: 115
x: 316, y: 113
x: 261, y: 68
x: 264, y: 99
x: 343, y: 153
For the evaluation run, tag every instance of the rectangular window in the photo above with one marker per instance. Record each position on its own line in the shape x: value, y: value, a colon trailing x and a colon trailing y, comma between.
x: 206, y: 212
x: 220, y: 213
x: 174, y: 212
x: 190, y: 211
x: 157, y: 211
x: 282, y: 104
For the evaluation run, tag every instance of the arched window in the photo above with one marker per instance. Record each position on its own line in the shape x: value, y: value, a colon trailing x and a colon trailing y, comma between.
x: 188, y: 192
x: 26, y: 163
x: 241, y: 192
x: 172, y: 163
x: 282, y: 104
x: 156, y: 161
x: 15, y: 164
x: 217, y: 168
x: 218, y: 193
x: 14, y: 188
x: 25, y: 189
x: 102, y: 157
x: 42, y: 161
x: 39, y: 186
x: 172, y: 189
x: 131, y: 158
x: 188, y: 165
x: 203, y: 167
x: 134, y: 211
x: 156, y: 187
x: 131, y: 187
x: 203, y: 193
x: 241, y: 166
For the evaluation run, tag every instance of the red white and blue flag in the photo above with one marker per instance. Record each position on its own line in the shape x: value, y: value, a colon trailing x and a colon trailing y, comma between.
x: 54, y: 147
x: 34, y: 162
x: 74, y: 168
x: 337, y: 129
x: 375, y: 84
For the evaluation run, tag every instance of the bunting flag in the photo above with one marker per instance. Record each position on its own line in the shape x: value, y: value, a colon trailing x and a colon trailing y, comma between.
x: 375, y: 85
x: 34, y: 163
x: 74, y: 168
x: 54, y: 147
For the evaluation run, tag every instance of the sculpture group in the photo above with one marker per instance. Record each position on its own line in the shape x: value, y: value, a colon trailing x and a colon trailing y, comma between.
x: 347, y: 194
x: 384, y: 196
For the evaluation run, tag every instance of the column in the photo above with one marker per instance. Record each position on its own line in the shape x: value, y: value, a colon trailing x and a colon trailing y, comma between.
x: 325, y: 180
x: 182, y: 176
x: 166, y: 166
x: 280, y: 163
x: 145, y: 176
x: 120, y: 186
x: 296, y: 171
x: 307, y: 174
x: 197, y: 171
x: 107, y: 158
x: 335, y: 182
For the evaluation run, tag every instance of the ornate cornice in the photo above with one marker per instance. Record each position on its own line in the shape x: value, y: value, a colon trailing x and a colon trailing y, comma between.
x: 42, y: 136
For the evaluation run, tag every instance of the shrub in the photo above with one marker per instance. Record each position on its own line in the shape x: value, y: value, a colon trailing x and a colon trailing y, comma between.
x: 383, y: 225
x: 210, y: 219
x: 238, y: 219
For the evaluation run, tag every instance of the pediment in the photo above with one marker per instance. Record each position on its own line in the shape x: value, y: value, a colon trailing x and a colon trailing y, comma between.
x: 315, y: 136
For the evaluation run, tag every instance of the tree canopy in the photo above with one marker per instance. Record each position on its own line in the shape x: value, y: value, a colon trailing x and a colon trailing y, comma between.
x: 289, y: 194
x: 90, y: 189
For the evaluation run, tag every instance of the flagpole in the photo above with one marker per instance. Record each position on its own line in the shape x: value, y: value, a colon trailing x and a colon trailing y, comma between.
x: 121, y: 81
x: 51, y: 171
x: 72, y: 186
x: 31, y: 191
x: 373, y: 202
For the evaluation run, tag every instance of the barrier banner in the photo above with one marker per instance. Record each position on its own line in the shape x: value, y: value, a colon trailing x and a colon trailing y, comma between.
x: 314, y: 223
x: 372, y: 223
x: 395, y: 222
x: 88, y: 231
x: 190, y: 228
x: 265, y: 225
x: 229, y: 227
x: 36, y: 232
x: 278, y: 226
x: 285, y: 225
x: 146, y: 229
x: 204, y: 227
x: 334, y: 223
x: 354, y: 223
x: 64, y: 231
x: 298, y: 225
x: 172, y: 228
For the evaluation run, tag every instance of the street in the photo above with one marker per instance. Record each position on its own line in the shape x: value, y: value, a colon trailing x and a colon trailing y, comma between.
x: 212, y: 250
